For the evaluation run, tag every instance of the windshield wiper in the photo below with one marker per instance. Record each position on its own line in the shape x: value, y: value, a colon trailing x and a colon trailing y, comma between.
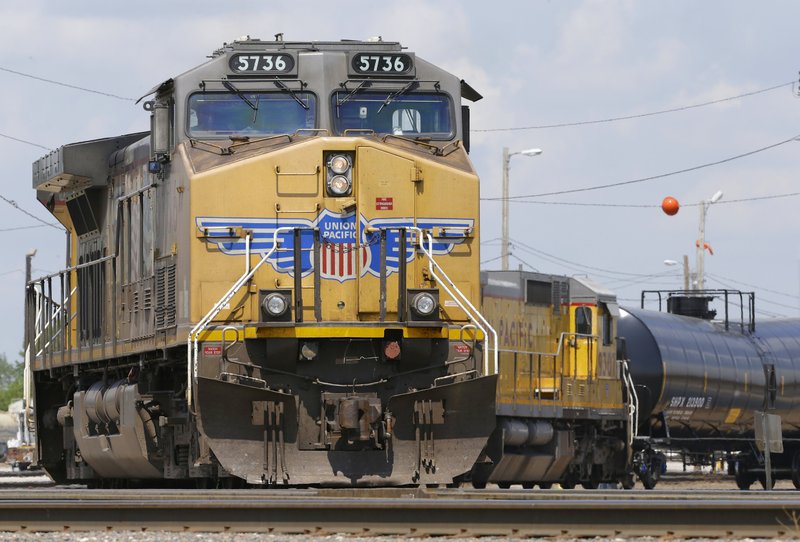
x: 391, y: 97
x: 245, y: 99
x: 281, y: 85
x: 362, y: 84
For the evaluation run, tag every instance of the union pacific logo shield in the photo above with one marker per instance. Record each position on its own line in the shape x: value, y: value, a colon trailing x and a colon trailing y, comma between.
x: 347, y: 249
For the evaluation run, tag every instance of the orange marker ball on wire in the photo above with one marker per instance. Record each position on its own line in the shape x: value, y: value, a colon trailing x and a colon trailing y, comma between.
x: 670, y: 206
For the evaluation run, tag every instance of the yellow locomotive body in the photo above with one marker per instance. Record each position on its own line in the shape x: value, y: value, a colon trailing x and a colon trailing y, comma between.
x: 278, y: 284
x: 562, y: 401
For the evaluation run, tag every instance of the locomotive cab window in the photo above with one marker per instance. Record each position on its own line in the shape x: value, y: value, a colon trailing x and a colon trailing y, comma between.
x: 221, y: 114
x: 413, y: 114
x: 583, y: 321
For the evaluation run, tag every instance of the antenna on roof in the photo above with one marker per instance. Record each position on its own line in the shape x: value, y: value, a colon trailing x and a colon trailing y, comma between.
x: 279, y: 36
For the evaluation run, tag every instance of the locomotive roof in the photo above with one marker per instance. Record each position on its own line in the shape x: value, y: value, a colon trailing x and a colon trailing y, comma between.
x: 247, y: 43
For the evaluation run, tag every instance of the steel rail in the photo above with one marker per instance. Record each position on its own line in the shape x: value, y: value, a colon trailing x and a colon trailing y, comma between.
x: 407, y: 512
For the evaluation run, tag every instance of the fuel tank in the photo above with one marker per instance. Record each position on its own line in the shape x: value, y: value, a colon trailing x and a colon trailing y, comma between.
x: 707, y: 380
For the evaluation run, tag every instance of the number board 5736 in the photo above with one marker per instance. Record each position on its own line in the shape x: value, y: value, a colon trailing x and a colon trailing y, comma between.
x: 257, y: 63
x: 382, y: 64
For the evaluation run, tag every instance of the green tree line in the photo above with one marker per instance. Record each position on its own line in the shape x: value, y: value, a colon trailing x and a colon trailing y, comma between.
x: 10, y: 381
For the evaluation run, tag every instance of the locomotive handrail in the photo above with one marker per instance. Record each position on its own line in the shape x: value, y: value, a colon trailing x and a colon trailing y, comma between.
x: 72, y: 268
x: 192, y: 340
x: 475, y: 315
x: 561, y: 340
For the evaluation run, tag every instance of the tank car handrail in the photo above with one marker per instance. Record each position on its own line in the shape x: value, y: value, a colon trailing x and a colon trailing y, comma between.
x: 474, y: 315
x: 192, y: 339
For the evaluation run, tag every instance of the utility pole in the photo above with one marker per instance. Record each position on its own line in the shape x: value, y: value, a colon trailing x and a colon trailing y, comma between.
x: 699, y: 265
x: 506, y: 161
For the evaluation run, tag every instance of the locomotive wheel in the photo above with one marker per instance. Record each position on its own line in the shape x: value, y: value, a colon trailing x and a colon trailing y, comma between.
x: 568, y: 483
x: 796, y: 470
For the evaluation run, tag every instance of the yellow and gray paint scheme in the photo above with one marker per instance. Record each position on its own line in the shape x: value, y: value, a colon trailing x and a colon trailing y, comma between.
x: 276, y: 284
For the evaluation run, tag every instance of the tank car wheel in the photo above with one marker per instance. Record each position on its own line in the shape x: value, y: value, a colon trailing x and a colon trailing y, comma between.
x: 528, y: 485
x: 628, y: 481
x: 479, y: 484
x: 762, y: 479
x: 545, y: 485
x: 504, y: 485
x: 649, y: 480
x: 743, y: 478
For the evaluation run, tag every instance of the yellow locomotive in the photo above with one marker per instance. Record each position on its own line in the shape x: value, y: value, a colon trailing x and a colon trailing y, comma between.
x: 565, y: 403
x: 276, y: 284
x: 279, y: 283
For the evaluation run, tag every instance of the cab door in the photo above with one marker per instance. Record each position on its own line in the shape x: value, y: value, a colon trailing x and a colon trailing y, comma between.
x: 582, y: 343
x: 385, y: 199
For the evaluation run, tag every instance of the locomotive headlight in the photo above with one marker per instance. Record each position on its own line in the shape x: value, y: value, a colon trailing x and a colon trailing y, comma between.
x: 339, y: 173
x: 339, y: 185
x: 423, y: 304
x: 275, y: 304
x: 339, y: 164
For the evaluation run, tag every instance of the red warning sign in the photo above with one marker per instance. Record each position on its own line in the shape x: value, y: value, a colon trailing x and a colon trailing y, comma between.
x: 384, y: 204
x: 212, y: 350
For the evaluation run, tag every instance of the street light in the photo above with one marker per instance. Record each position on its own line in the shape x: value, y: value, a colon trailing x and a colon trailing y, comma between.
x: 699, y: 264
x: 685, y: 269
x: 26, y: 382
x: 506, y: 160
x: 28, y: 257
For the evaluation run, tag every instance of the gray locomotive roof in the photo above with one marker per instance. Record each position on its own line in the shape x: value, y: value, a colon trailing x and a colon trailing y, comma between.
x: 251, y: 44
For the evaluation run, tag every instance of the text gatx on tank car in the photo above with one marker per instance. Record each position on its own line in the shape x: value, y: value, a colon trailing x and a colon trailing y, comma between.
x: 275, y: 284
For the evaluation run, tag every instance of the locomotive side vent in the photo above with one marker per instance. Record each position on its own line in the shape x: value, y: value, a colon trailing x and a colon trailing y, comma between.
x: 165, y: 294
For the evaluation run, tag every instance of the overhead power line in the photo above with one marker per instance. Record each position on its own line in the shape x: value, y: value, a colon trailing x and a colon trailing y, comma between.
x: 637, y: 116
x: 59, y: 83
x: 25, y: 141
x: 36, y: 218
x: 24, y: 227
x: 655, y: 205
x: 652, y: 177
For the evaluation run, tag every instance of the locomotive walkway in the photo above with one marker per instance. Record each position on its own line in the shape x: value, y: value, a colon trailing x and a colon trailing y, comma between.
x: 415, y: 512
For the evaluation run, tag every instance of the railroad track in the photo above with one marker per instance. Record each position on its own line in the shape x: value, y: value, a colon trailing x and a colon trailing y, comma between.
x: 415, y: 512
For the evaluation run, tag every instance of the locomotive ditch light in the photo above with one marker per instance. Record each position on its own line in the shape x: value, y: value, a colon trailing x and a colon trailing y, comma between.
x: 423, y: 305
x: 275, y: 305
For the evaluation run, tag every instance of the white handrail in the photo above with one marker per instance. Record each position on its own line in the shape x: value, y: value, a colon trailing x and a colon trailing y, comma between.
x: 191, y: 370
x: 473, y: 313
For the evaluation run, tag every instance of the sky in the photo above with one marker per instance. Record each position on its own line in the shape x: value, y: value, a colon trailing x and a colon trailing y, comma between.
x: 537, y: 63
